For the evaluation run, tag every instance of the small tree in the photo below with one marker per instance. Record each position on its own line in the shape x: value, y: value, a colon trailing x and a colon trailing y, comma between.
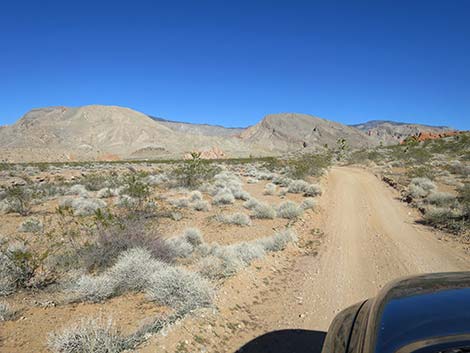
x: 194, y: 171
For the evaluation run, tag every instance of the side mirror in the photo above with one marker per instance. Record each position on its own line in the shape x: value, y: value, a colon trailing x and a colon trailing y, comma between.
x: 425, y: 314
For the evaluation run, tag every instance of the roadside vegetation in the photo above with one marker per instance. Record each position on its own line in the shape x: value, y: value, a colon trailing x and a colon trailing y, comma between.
x: 91, y: 232
x: 432, y: 176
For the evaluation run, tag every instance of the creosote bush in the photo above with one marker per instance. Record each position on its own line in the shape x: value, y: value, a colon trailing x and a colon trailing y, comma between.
x: 194, y: 171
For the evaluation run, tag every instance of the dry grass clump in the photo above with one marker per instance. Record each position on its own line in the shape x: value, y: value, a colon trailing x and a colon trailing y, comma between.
x: 180, y: 203
x: 289, y: 210
x: 238, y: 218
x: 87, y: 336
x: 195, y: 195
x: 125, y: 201
x: 440, y: 199
x: 270, y: 189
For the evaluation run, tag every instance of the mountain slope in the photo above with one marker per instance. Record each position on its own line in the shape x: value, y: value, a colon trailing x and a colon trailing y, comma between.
x: 292, y: 131
x: 100, y: 132
x: 390, y: 132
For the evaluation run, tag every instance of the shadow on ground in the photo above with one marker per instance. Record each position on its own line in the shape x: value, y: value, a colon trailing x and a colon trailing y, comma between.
x: 286, y: 341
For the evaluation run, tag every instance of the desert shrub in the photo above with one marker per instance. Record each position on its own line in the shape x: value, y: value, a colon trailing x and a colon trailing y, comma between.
x: 136, y: 188
x: 93, y: 288
x: 251, y: 203
x: 308, y: 203
x: 312, y: 190
x: 240, y: 194
x: 252, y: 181
x: 17, y: 266
x: 440, y: 198
x: 223, y: 197
x: 19, y: 200
x: 289, y: 210
x: 223, y: 263
x: 127, y: 202
x: 297, y: 186
x: 154, y: 180
x: 195, y: 195
x: 264, y: 211
x: 87, y: 336
x: 179, y: 247
x: 193, y: 236
x: 282, y: 180
x: 179, y: 289
x: 6, y: 312
x: 248, y: 251
x: 238, y: 218
x: 180, y: 203
x: 201, y: 206
x: 278, y: 241
x: 270, y: 189
x: 420, y: 187
x: 194, y: 171
x: 423, y: 171
x: 133, y: 271
x: 83, y: 206
x: 308, y: 164
x: 444, y: 217
x: 78, y: 190
x: 31, y: 225
x: 114, y: 235
x: 104, y: 193
x: 464, y: 199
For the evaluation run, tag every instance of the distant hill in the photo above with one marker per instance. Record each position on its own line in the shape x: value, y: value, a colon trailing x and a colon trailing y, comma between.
x: 391, y: 132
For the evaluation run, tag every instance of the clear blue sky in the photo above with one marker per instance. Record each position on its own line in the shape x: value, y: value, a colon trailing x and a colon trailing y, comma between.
x: 232, y: 62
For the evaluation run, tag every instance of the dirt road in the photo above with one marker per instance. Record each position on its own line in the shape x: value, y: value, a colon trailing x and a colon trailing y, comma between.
x: 371, y: 238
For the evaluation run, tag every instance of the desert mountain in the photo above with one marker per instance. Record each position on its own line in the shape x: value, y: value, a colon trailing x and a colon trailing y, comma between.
x: 97, y: 132
x: 291, y: 131
x: 390, y: 132
x: 100, y: 132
